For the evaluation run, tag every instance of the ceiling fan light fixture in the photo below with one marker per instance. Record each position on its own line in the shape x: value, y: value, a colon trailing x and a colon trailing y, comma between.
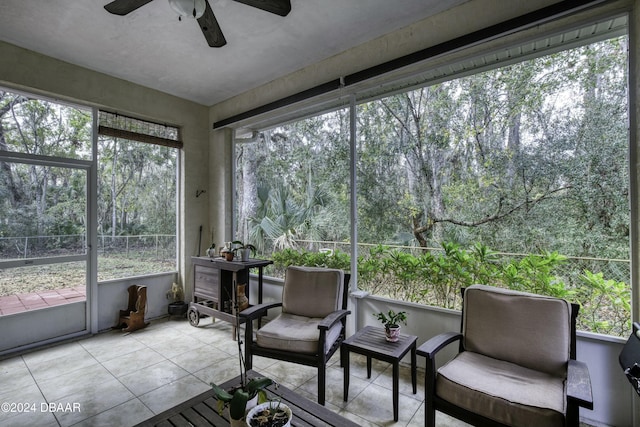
x: 189, y: 8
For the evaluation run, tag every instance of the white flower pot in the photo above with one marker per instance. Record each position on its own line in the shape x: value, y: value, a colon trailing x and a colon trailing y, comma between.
x: 259, y: 408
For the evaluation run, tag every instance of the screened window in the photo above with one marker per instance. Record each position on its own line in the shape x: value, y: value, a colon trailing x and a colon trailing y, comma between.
x: 515, y: 176
x: 293, y: 185
x: 137, y: 164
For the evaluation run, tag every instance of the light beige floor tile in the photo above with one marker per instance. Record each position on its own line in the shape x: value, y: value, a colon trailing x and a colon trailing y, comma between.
x: 45, y: 354
x: 111, y: 345
x: 153, y: 335
x: 262, y: 363
x: 177, y: 345
x: 78, y: 381
x: 290, y: 375
x: 133, y: 362
x: 200, y: 357
x: 152, y: 377
x: 73, y: 358
x: 37, y: 418
x: 385, y: 379
x: 375, y: 404
x: 173, y: 393
x: 91, y: 401
x: 219, y: 372
x: 334, y: 392
x: 14, y: 375
x: 127, y: 414
x: 21, y: 402
x: 358, y: 367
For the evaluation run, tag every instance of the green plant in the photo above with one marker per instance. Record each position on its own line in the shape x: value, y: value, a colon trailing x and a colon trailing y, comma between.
x: 435, y: 277
x: 391, y: 318
x: 237, y: 399
x: 240, y: 245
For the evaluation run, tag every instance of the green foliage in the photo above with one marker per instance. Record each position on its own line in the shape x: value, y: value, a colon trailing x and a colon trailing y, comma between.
x: 605, y: 303
x: 391, y: 318
x: 436, y: 278
x: 237, y: 399
x: 328, y: 259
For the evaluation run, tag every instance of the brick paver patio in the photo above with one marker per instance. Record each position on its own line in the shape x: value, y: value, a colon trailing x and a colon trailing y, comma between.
x: 11, y: 304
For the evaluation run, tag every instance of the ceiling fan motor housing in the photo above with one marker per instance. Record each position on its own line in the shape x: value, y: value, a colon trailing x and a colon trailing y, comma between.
x: 190, y: 8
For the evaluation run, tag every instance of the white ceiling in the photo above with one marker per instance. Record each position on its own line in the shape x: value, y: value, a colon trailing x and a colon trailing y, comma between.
x: 152, y: 48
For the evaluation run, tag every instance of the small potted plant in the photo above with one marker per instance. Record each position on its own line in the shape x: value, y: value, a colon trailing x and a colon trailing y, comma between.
x: 269, y: 414
x: 227, y: 251
x: 177, y: 306
x: 245, y: 250
x: 391, y: 321
x: 241, y: 398
x: 248, y: 393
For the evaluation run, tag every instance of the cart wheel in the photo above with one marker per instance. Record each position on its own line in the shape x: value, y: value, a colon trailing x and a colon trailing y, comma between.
x: 194, y: 316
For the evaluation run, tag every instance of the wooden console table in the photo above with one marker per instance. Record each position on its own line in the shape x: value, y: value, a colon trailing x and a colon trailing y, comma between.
x: 202, y: 410
x: 214, y: 283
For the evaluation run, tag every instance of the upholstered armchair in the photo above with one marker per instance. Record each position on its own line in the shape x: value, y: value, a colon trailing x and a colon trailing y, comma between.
x: 310, y: 327
x: 515, y: 364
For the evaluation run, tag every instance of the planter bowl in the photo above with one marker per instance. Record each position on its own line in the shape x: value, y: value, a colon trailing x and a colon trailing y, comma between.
x: 177, y: 308
x: 253, y: 413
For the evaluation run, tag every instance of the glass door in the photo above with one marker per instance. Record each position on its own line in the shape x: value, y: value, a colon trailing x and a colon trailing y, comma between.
x: 43, y: 250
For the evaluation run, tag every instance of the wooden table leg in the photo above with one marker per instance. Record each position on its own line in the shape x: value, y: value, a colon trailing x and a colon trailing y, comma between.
x: 344, y: 359
x: 234, y: 303
x: 368, y: 366
x: 396, y: 387
x: 414, y: 374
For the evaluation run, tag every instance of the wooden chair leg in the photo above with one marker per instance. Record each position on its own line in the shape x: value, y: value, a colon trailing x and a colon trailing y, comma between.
x: 321, y: 384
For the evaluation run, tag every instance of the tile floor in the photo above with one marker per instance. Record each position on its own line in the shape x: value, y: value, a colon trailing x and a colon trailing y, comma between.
x: 120, y: 379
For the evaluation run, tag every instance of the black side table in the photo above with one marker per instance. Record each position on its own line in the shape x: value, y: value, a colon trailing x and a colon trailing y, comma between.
x: 371, y: 342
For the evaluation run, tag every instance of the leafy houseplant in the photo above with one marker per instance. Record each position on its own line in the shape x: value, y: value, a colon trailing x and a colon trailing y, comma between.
x: 391, y: 321
x: 245, y: 250
x: 237, y: 398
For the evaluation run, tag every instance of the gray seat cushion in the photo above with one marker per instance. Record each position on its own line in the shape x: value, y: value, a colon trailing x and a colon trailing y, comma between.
x: 502, y: 391
x: 294, y: 333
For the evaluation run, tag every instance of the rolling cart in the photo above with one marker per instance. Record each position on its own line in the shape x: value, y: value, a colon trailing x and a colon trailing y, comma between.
x: 214, y: 280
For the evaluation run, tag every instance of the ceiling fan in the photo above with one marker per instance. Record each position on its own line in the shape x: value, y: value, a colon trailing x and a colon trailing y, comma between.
x: 201, y: 10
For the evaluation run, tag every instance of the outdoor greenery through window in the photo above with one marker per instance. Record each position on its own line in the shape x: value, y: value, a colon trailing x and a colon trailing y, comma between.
x: 46, y: 151
x: 136, y: 208
x: 45, y: 158
x: 514, y: 177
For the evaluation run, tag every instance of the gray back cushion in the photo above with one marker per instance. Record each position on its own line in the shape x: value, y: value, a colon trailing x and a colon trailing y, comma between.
x: 311, y: 291
x: 530, y: 330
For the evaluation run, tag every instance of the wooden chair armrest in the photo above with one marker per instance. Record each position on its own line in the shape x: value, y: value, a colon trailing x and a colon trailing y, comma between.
x: 332, y: 319
x: 437, y: 343
x: 579, y: 384
x: 258, y: 311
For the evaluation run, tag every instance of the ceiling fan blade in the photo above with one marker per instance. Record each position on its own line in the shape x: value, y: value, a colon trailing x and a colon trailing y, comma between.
x: 279, y: 7
x: 123, y: 7
x: 210, y: 28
